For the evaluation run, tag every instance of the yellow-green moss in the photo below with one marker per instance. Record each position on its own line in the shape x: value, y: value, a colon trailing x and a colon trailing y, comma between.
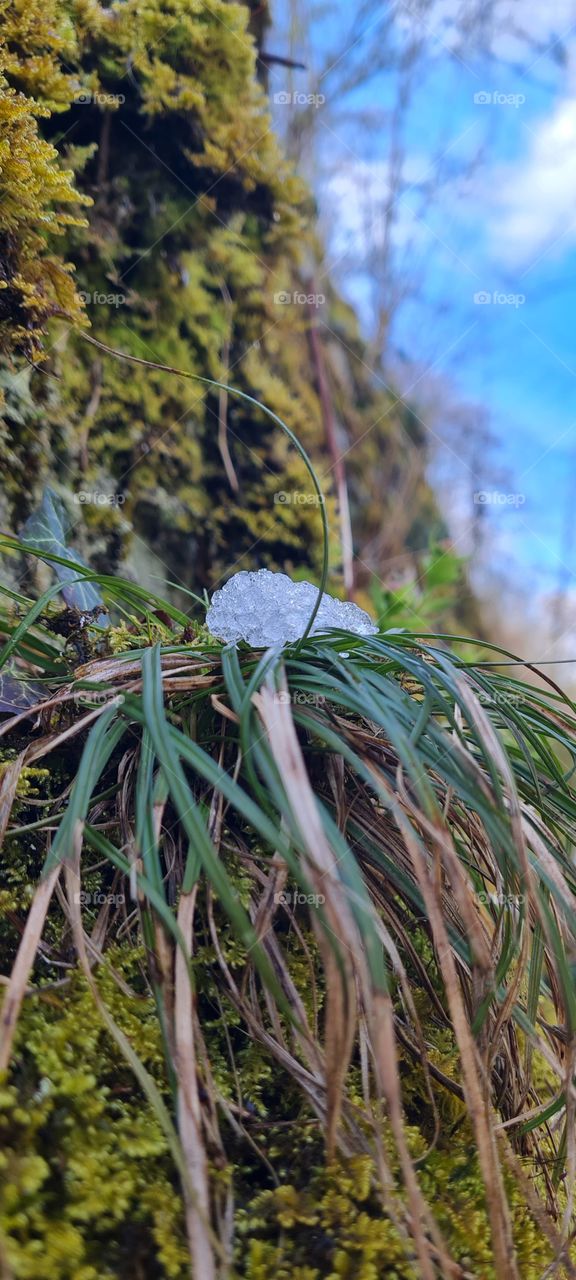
x: 88, y: 1184
x: 38, y: 200
x: 198, y: 224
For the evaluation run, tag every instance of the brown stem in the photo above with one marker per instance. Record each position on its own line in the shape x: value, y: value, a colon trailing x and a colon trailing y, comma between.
x: 338, y: 467
x: 189, y: 1108
x: 223, y: 400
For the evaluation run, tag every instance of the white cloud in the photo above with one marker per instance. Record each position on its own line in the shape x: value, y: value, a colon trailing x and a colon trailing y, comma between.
x: 361, y: 198
x: 509, y: 27
x: 534, y: 210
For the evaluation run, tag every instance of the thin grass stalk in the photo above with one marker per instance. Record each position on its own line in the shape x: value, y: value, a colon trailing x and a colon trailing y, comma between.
x: 243, y: 395
x: 197, y: 1206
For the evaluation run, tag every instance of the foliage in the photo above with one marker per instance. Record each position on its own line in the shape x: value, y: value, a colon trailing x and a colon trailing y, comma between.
x: 84, y: 1166
x: 412, y: 841
x: 197, y: 224
x: 286, y: 939
x: 35, y: 282
x: 47, y: 530
x: 428, y: 599
x: 88, y: 1190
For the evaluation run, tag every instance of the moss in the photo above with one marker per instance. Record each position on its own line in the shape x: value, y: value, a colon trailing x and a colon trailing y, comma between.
x: 332, y: 1228
x: 88, y: 1183
x: 39, y: 201
x: 82, y: 1156
x: 330, y: 1223
x: 197, y: 225
x: 196, y: 222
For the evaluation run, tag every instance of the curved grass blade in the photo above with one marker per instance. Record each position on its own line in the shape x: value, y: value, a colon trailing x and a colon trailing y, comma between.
x: 243, y: 395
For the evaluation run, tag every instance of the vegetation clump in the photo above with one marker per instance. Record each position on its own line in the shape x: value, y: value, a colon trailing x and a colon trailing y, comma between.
x: 286, y: 936
x: 196, y: 226
x: 253, y: 857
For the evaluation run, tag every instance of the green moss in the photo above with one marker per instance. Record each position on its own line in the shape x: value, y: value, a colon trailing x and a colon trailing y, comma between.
x: 331, y: 1223
x: 84, y: 1165
x: 197, y: 225
x: 88, y: 1183
x: 39, y: 201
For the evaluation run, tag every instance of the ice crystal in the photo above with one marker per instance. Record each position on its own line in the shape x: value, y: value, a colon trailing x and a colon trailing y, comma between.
x: 267, y: 609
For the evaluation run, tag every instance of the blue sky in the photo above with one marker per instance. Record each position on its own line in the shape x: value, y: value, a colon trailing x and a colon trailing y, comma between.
x: 501, y: 221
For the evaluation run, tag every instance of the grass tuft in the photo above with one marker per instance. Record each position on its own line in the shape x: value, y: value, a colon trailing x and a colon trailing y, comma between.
x: 415, y: 811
